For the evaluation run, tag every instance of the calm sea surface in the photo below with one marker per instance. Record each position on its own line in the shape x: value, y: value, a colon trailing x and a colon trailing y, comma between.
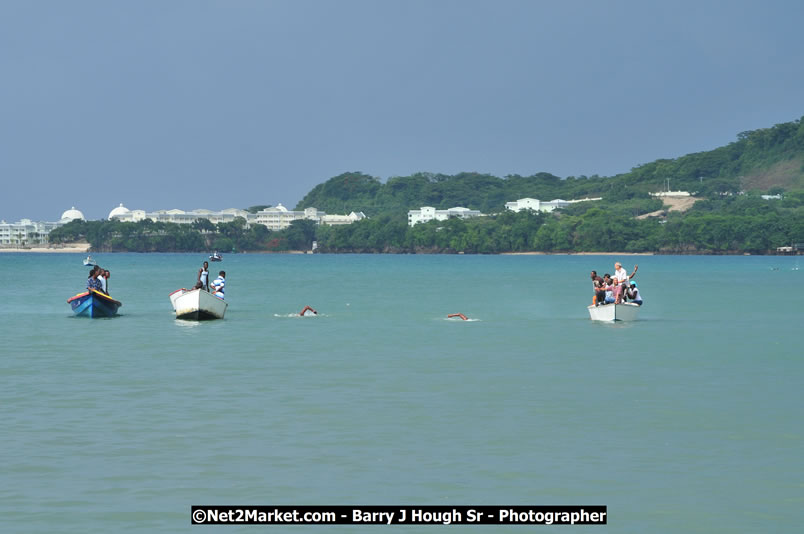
x: 689, y: 420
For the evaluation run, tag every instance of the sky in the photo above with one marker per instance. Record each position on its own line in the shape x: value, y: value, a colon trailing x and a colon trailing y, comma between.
x: 221, y: 104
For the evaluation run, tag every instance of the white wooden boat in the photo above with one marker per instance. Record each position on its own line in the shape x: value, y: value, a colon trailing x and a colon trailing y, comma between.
x: 626, y: 311
x: 89, y: 262
x: 197, y: 304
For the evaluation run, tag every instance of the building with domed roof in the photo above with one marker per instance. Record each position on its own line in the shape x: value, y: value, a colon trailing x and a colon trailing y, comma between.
x: 119, y: 210
x: 178, y: 216
x: 26, y: 232
x: 278, y: 217
x: 71, y: 215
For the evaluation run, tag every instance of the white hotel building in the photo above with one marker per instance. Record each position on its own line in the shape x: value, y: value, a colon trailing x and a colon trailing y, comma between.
x: 428, y: 213
x: 123, y: 214
x: 535, y: 204
x: 274, y: 218
x: 27, y: 232
x: 279, y: 217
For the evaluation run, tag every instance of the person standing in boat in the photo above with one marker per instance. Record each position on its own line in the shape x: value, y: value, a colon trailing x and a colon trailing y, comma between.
x: 106, y: 275
x: 203, y: 276
x: 621, y: 275
x: 218, y: 284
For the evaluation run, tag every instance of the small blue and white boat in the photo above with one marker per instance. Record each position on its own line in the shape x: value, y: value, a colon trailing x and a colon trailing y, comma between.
x: 94, y: 304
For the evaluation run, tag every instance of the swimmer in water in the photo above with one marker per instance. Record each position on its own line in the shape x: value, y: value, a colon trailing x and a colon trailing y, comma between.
x: 462, y: 316
x: 306, y: 309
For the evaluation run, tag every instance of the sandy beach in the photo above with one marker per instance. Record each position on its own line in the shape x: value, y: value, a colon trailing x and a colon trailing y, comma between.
x: 72, y: 248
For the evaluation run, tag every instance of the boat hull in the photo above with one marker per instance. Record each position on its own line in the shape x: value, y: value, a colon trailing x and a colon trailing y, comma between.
x: 94, y: 304
x: 197, y: 305
x: 614, y: 312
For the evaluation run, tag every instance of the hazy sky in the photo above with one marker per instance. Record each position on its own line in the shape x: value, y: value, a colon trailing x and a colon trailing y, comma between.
x: 164, y: 104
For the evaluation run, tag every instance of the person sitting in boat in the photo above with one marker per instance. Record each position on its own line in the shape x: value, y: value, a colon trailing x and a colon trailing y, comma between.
x: 619, y: 291
x: 634, y: 295
x: 203, y: 276
x: 101, y: 278
x: 92, y: 282
x: 608, y: 287
x: 218, y: 284
x: 106, y: 275
x: 306, y: 309
x: 605, y: 288
x: 597, y: 286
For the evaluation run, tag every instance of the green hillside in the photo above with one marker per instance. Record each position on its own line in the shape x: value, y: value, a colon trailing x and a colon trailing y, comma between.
x: 765, y: 159
x: 626, y: 219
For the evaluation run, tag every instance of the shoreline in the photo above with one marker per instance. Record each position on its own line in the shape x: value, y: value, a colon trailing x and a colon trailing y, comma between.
x: 71, y: 249
x: 578, y: 254
x: 85, y: 249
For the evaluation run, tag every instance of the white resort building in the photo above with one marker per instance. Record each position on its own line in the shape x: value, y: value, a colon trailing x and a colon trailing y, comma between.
x: 679, y: 194
x: 123, y: 214
x: 27, y: 232
x: 274, y: 218
x: 279, y: 217
x: 428, y: 213
x: 335, y: 220
x: 535, y: 204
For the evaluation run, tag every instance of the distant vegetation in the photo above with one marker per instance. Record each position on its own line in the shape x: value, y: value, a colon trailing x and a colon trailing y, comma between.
x: 765, y: 159
x: 734, y: 224
x: 732, y: 218
x: 149, y: 236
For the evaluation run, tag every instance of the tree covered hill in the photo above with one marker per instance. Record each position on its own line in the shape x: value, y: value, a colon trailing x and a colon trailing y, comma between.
x: 764, y: 159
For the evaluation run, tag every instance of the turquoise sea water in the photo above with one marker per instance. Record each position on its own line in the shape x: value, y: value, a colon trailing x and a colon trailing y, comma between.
x: 688, y: 420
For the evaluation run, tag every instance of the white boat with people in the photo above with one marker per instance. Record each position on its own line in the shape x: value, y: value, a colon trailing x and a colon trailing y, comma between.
x: 625, y: 311
x: 197, y: 304
x: 215, y: 257
x: 89, y: 262
x: 616, y: 298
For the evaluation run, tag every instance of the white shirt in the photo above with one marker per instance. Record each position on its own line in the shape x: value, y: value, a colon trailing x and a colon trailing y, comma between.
x: 103, y: 283
x: 621, y: 275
